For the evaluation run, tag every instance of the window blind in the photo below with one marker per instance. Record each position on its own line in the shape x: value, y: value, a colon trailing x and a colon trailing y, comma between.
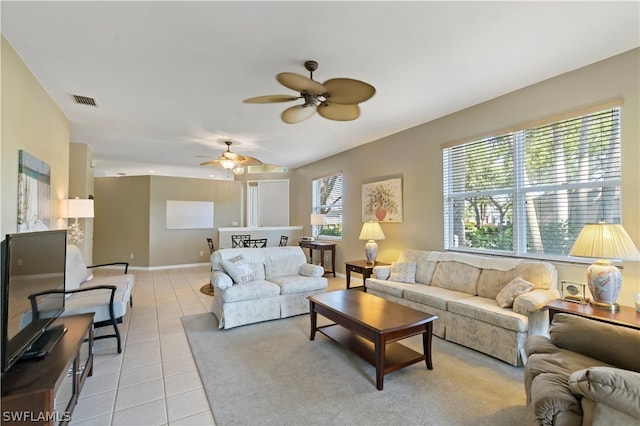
x: 327, y: 199
x: 530, y: 191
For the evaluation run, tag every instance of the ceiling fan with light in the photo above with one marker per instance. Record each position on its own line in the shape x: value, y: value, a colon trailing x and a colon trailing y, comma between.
x: 232, y: 161
x: 335, y: 99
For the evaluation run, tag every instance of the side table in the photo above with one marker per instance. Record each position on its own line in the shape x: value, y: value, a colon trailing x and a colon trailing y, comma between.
x: 361, y: 267
x: 625, y: 317
x: 322, y: 247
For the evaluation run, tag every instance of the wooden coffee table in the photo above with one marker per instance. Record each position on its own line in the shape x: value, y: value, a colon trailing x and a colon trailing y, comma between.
x: 370, y: 326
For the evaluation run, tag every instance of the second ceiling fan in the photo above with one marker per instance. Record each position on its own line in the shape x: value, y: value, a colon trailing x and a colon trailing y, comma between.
x: 335, y: 99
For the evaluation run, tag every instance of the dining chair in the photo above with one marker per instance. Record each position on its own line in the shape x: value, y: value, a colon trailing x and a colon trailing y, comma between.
x: 239, y: 240
x: 256, y: 243
x: 283, y: 240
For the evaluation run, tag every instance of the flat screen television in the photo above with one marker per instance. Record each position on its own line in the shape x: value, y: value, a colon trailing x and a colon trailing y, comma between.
x: 31, y: 262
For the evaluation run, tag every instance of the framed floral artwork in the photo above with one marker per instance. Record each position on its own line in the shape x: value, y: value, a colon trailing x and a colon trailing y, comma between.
x: 382, y: 201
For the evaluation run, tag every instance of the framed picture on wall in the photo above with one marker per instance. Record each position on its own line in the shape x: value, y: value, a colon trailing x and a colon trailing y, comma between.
x: 34, y: 193
x: 382, y: 201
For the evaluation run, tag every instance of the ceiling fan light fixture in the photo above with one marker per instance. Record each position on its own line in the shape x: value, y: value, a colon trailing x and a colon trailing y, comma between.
x: 238, y: 170
x: 227, y: 163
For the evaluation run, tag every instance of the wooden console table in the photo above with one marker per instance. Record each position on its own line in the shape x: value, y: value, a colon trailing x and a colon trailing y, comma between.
x: 45, y: 391
x: 322, y: 247
x: 626, y: 316
x: 361, y: 267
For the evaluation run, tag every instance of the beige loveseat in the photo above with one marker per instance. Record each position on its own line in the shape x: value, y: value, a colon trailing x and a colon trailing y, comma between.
x: 261, y: 284
x: 461, y: 289
x: 586, y: 373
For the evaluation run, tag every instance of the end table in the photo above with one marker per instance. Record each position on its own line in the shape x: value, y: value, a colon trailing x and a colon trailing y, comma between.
x: 362, y: 267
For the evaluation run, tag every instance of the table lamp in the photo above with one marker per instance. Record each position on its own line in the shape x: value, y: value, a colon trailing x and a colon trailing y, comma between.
x: 317, y: 220
x: 604, y: 241
x: 371, y: 231
x: 76, y: 208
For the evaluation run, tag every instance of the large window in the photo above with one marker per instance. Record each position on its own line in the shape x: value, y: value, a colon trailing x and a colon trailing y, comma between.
x: 327, y: 199
x: 529, y: 192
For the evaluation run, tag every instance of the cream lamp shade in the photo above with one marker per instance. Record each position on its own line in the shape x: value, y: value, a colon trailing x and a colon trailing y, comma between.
x: 604, y: 241
x: 77, y: 208
x: 317, y: 220
x: 371, y: 231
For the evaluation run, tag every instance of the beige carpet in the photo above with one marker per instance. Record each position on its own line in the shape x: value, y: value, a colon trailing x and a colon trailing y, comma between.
x: 272, y: 374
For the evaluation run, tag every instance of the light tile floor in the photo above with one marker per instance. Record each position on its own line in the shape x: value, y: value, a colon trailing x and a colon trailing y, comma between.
x: 154, y: 381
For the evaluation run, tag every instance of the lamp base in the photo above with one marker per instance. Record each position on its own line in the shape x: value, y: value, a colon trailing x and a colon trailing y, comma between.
x: 371, y: 251
x: 605, y: 283
x: 612, y: 307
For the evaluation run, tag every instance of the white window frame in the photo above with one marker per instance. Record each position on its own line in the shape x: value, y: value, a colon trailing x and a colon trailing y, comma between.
x: 611, y: 207
x: 330, y: 219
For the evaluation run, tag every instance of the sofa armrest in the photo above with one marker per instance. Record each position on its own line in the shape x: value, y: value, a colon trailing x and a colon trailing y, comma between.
x: 534, y: 301
x: 309, y: 270
x: 382, y: 272
x: 614, y: 387
x: 221, y: 280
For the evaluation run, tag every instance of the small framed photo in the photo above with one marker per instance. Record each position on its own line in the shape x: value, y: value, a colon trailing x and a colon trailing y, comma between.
x: 573, y: 292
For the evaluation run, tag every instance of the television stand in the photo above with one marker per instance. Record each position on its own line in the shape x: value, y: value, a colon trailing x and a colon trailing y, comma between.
x: 44, y: 391
x: 45, y: 343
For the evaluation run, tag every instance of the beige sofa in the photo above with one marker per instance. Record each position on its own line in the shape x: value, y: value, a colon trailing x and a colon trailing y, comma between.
x: 462, y: 290
x: 586, y: 373
x: 261, y: 284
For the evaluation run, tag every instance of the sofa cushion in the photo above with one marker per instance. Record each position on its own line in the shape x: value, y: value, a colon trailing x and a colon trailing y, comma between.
x: 239, y: 269
x: 578, y: 334
x: 282, y: 267
x: 292, y: 284
x: 456, y: 276
x: 540, y: 274
x: 258, y: 289
x: 424, y: 267
x: 404, y: 272
x: 392, y: 288
x: 614, y: 387
x: 433, y: 296
x: 487, y: 310
x: 515, y: 288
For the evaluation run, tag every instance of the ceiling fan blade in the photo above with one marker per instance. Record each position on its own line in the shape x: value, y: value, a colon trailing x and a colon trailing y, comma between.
x: 269, y: 99
x: 209, y: 163
x: 298, y: 113
x: 348, y: 91
x: 339, y: 112
x: 300, y: 83
x: 250, y: 161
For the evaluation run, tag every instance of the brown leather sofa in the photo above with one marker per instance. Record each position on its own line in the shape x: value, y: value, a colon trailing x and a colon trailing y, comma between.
x: 586, y: 373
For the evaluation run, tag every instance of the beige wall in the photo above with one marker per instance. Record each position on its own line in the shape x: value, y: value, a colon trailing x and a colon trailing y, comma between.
x: 31, y: 121
x: 81, y: 186
x: 131, y: 218
x: 416, y: 155
x: 183, y: 246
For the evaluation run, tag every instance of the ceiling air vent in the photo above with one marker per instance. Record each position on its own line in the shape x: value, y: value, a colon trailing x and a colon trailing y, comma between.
x: 84, y: 100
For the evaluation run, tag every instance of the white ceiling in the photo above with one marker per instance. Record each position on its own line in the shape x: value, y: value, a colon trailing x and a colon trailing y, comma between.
x: 169, y: 77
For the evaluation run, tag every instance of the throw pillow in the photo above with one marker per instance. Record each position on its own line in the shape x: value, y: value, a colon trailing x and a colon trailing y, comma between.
x: 509, y: 292
x: 403, y: 272
x: 238, y: 269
